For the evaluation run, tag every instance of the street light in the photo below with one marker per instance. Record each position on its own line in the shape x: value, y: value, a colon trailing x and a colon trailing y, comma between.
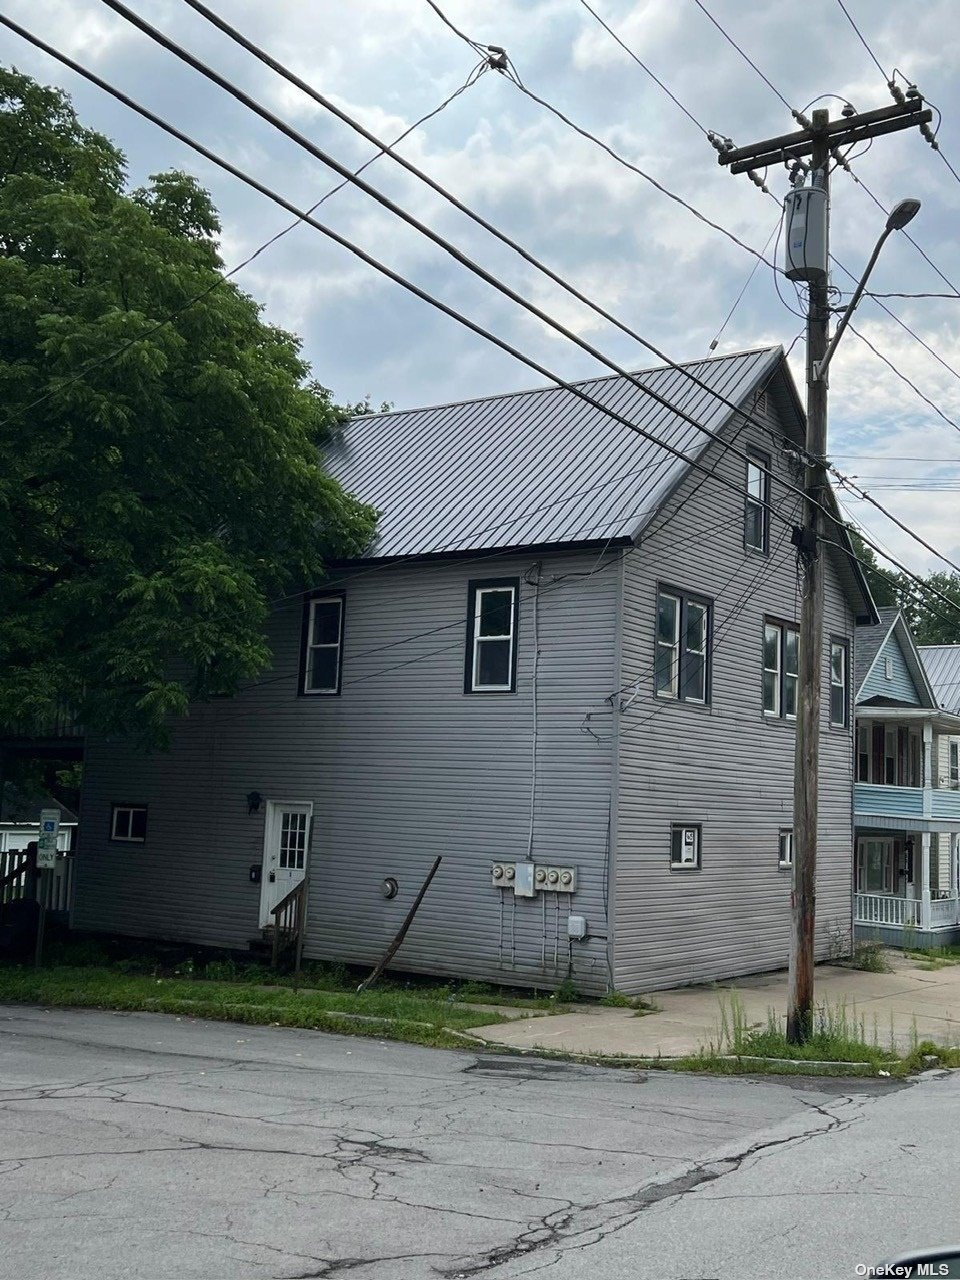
x: 897, y: 219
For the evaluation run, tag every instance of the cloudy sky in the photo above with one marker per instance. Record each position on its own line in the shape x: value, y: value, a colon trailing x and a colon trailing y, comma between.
x: 622, y: 242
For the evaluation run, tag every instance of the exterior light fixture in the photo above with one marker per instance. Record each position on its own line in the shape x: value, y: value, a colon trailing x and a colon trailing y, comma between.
x: 254, y: 801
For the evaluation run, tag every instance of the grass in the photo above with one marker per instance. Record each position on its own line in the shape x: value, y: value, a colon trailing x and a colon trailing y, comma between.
x: 388, y: 1014
x: 870, y: 957
x: 841, y: 1043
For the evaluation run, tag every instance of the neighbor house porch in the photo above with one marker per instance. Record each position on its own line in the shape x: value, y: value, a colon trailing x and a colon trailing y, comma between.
x: 907, y: 819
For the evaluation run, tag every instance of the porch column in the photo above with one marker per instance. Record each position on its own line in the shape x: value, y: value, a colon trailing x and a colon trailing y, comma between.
x: 925, y: 880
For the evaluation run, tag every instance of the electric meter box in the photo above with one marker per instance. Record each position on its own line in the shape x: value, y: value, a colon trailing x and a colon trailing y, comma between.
x: 805, y: 218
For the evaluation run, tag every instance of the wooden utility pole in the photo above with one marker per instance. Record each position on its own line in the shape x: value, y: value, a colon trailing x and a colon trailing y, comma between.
x: 820, y: 139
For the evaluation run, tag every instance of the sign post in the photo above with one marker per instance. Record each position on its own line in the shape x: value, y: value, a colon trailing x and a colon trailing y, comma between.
x: 46, y: 861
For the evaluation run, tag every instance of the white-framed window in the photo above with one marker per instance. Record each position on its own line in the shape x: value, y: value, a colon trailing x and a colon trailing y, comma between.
x: 890, y: 756
x: 839, y: 682
x: 491, y: 660
x: 322, y: 656
x: 785, y: 847
x: 685, y: 847
x: 876, y: 865
x: 781, y: 669
x: 888, y: 668
x: 128, y: 823
x: 953, y: 758
x: 682, y: 663
x: 756, y: 510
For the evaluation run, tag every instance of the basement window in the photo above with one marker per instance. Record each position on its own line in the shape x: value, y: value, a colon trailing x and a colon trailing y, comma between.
x: 785, y: 848
x: 128, y: 823
x: 685, y: 847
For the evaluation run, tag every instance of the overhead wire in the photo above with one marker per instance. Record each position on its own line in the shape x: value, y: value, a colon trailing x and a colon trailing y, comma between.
x: 174, y: 47
x: 222, y: 277
x: 425, y: 296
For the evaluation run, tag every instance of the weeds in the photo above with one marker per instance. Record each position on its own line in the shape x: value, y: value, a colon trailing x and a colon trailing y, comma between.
x: 871, y: 957
x: 837, y: 1036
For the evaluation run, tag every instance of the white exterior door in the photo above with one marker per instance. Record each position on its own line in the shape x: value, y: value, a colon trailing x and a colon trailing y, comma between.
x: 285, y: 850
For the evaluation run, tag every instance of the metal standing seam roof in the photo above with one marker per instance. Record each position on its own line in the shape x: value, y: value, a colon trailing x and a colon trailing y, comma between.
x: 942, y: 663
x: 535, y: 468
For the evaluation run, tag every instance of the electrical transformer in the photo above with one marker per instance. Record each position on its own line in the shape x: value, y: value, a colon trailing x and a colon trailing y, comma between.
x: 805, y: 216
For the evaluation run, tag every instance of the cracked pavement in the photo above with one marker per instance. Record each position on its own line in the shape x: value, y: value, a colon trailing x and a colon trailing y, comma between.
x: 139, y: 1145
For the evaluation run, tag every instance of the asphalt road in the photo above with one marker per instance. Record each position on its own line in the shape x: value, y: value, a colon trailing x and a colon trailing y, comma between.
x: 134, y: 1145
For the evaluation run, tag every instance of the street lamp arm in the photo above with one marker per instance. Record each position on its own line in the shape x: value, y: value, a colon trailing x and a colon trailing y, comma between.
x: 898, y: 218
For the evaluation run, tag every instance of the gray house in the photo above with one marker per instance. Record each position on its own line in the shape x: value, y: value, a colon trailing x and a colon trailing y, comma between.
x: 906, y: 802
x: 568, y: 665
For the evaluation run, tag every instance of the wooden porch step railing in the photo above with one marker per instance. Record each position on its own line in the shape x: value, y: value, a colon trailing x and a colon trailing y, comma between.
x: 288, y: 921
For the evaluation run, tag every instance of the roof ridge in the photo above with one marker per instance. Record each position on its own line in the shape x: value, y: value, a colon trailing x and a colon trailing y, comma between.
x: 578, y: 382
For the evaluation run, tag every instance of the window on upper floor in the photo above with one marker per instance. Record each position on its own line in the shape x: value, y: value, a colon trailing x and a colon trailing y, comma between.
x: 321, y: 657
x: 682, y: 664
x: 953, y: 757
x: 756, y: 510
x: 839, y: 683
x: 128, y: 823
x: 781, y: 669
x: 491, y: 657
x: 685, y: 847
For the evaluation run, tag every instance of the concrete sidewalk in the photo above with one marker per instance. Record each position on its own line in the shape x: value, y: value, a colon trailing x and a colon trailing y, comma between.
x: 908, y: 1001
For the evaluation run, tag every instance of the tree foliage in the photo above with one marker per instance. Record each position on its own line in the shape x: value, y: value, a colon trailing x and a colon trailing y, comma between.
x: 151, y: 506
x: 932, y: 621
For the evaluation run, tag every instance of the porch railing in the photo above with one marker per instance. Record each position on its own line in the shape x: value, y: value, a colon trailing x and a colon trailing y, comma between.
x: 288, y: 920
x: 56, y: 883
x: 943, y: 912
x: 880, y: 908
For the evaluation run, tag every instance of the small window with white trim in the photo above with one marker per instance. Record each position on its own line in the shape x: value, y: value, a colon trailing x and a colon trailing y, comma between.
x: 128, y: 823
x: 954, y: 761
x: 888, y: 668
x: 785, y: 848
x: 682, y: 664
x: 491, y: 658
x: 322, y: 650
x: 685, y: 847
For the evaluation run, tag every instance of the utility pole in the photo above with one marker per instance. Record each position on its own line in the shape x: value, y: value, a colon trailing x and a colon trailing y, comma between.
x: 821, y: 139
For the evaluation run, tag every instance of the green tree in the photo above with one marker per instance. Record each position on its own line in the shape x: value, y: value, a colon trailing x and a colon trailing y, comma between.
x: 932, y: 620
x: 151, y: 507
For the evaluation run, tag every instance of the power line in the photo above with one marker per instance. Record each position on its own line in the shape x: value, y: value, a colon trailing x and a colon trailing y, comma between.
x: 109, y: 356
x: 798, y: 116
x: 417, y: 291
x: 903, y: 378
x: 638, y: 60
x: 198, y: 65
x: 862, y: 39
x: 275, y: 65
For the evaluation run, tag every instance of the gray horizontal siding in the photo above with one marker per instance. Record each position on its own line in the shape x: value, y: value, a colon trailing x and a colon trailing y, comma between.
x: 725, y: 766
x: 400, y: 767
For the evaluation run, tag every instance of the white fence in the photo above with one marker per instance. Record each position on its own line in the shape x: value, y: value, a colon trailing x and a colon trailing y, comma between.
x: 56, y: 883
x: 880, y: 908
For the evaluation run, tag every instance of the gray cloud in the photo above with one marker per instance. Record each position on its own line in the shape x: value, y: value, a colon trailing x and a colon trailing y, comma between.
x: 619, y: 240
